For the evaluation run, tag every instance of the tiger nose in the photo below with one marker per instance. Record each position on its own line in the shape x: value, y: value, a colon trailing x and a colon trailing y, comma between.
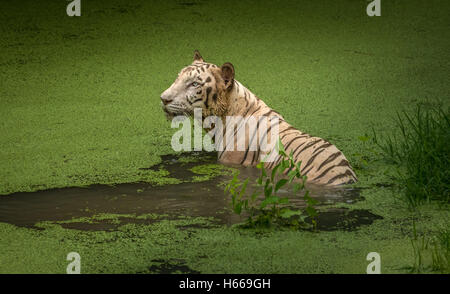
x: 165, y: 100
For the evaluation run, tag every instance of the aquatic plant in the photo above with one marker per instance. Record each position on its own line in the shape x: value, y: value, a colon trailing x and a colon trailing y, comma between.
x: 431, y: 253
x: 420, y: 148
x: 441, y: 252
x: 273, y: 209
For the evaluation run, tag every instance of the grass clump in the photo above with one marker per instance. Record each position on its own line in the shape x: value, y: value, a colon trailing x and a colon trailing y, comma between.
x: 441, y: 252
x: 431, y: 253
x: 420, y: 148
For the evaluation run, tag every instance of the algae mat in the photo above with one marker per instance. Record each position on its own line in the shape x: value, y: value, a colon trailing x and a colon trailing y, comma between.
x: 80, y: 107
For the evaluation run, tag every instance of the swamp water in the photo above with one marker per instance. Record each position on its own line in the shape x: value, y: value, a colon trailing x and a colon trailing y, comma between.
x: 188, y: 198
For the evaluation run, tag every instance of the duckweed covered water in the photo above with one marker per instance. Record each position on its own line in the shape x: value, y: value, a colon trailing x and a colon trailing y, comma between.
x: 204, y: 198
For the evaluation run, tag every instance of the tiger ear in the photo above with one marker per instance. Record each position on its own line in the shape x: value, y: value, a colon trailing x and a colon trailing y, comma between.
x: 197, y: 57
x: 227, y: 73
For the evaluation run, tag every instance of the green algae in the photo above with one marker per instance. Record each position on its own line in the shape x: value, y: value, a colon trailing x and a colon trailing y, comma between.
x: 132, y: 247
x: 161, y: 178
x: 206, y: 172
x: 201, y: 245
x: 109, y: 217
x: 72, y: 117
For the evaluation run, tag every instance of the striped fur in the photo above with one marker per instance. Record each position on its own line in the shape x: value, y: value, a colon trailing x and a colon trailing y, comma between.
x: 204, y: 85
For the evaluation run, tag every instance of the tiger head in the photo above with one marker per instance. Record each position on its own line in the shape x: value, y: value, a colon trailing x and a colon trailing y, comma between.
x: 199, y: 85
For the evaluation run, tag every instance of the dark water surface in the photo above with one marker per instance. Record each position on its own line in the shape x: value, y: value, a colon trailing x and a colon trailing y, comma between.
x: 205, y: 199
